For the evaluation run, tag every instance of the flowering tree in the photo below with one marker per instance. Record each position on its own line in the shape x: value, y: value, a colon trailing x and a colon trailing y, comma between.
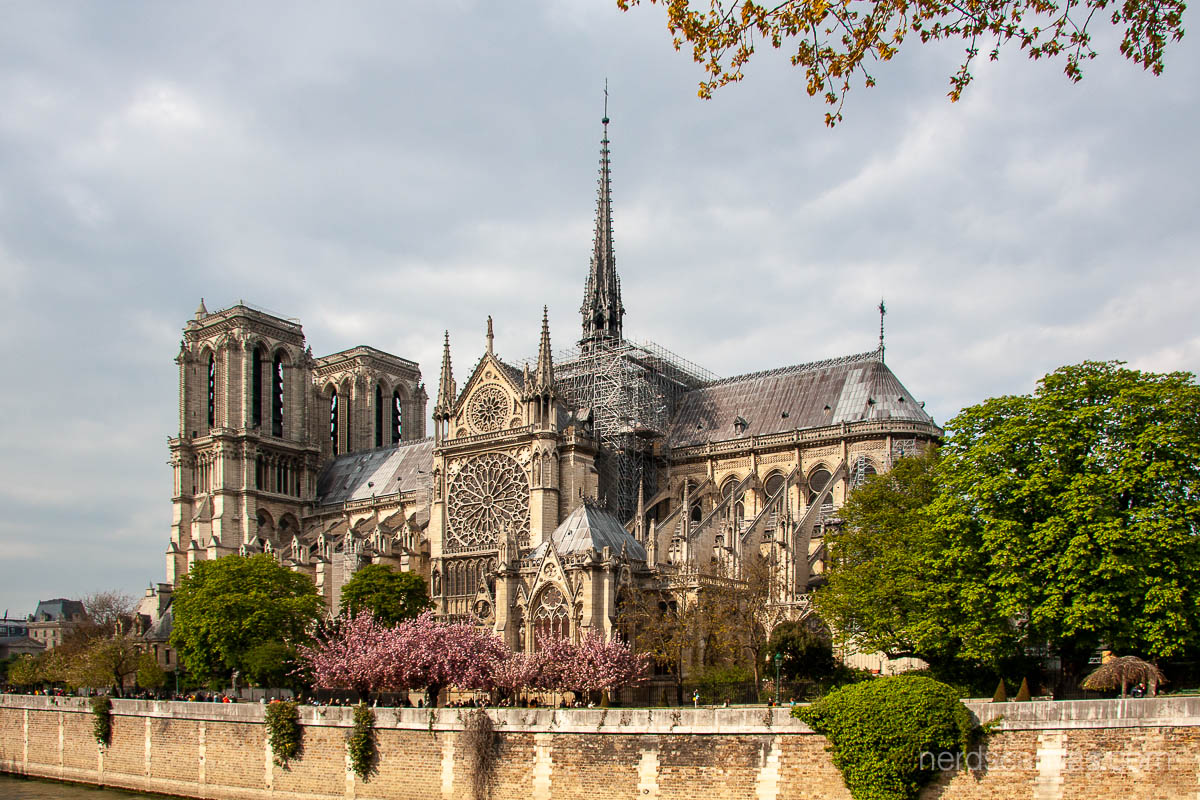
x: 600, y: 666
x: 353, y: 656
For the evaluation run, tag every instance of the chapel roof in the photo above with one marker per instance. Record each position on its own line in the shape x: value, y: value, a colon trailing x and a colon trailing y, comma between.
x: 405, y: 467
x: 591, y: 528
x: 849, y: 389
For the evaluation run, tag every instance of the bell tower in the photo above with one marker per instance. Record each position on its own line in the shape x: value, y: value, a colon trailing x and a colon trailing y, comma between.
x: 244, y: 462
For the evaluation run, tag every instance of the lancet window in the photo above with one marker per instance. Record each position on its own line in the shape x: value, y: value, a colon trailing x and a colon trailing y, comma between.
x: 277, y: 395
x: 378, y: 415
x: 212, y: 390
x: 397, y: 417
x: 256, y: 388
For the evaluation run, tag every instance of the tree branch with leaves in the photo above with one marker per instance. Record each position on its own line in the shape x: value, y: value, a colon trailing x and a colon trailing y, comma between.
x: 836, y: 42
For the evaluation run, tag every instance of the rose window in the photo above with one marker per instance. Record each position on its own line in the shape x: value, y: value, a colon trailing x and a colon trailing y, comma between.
x: 487, y: 497
x: 488, y: 409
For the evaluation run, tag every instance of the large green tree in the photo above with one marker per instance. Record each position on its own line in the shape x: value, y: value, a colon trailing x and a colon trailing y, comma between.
x: 1073, y: 515
x: 389, y: 595
x: 879, y: 594
x: 1063, y: 519
x: 835, y: 41
x: 225, y: 608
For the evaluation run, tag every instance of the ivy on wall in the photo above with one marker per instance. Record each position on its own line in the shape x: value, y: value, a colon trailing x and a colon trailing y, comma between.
x: 363, y: 752
x: 102, y: 719
x: 284, y: 733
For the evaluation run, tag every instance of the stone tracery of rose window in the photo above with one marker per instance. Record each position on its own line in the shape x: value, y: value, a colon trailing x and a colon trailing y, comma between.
x: 489, y: 495
x: 550, y: 619
x: 488, y: 409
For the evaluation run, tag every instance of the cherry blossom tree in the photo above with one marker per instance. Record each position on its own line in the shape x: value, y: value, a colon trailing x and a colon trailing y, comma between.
x: 353, y: 656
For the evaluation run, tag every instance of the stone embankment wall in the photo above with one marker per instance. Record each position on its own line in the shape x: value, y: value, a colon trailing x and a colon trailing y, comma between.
x: 1146, y: 748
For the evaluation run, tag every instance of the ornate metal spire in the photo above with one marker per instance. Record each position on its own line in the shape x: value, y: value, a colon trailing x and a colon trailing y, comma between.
x: 544, y: 378
x: 445, y: 398
x: 602, y: 310
x: 882, y: 311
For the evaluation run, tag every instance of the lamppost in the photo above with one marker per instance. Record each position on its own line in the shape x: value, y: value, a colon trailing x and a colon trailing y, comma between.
x: 778, y: 661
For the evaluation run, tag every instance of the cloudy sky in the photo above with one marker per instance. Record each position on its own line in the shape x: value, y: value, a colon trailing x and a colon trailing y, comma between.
x: 384, y: 171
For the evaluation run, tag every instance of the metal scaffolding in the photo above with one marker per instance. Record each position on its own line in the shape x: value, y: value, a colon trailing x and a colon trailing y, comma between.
x: 633, y: 389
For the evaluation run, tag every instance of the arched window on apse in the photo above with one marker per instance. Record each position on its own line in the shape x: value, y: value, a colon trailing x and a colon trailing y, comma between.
x: 773, y: 485
x: 817, y: 482
x: 550, y: 619
x: 397, y: 418
x: 378, y: 415
x: 277, y: 395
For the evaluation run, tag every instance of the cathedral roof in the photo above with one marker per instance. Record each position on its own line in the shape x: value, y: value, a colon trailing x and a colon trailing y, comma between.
x: 849, y: 389
x: 590, y: 528
x: 406, y: 467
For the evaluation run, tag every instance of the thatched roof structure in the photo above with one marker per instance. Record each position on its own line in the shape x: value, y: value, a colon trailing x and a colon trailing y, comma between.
x: 1123, y: 672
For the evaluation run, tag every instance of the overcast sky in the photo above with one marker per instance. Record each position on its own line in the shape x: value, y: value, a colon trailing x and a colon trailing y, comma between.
x: 384, y: 171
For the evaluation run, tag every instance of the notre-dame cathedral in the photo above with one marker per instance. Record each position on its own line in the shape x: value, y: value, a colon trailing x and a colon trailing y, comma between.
x: 547, y: 489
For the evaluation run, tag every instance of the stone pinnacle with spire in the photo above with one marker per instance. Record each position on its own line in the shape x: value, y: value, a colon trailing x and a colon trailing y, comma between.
x: 544, y: 377
x: 445, y: 397
x: 602, y: 310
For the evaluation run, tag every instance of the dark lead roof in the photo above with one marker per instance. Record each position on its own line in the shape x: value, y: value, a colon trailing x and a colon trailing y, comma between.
x: 406, y: 467
x: 850, y: 389
x: 59, y: 609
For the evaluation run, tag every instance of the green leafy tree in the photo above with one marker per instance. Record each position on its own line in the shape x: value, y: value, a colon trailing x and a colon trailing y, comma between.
x: 1070, y: 516
x: 391, y: 596
x: 272, y: 664
x: 26, y: 671
x: 224, y: 608
x: 879, y: 595
x: 807, y: 653
x: 149, y: 674
x: 835, y: 41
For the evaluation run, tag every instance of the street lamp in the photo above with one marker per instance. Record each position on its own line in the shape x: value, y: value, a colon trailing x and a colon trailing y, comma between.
x: 778, y: 661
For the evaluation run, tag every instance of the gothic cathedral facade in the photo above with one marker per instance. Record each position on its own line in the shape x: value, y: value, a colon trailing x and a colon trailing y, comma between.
x: 547, y: 490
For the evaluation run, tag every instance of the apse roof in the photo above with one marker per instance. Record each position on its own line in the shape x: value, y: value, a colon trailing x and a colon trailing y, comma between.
x: 849, y: 389
x: 406, y: 467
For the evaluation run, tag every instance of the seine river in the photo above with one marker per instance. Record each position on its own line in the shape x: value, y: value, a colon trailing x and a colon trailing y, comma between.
x: 21, y: 789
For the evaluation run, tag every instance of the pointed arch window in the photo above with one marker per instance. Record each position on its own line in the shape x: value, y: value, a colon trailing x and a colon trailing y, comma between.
x: 378, y: 415
x: 817, y: 482
x: 256, y: 388
x: 212, y: 390
x: 550, y: 618
x: 397, y: 418
x: 333, y: 421
x: 277, y: 395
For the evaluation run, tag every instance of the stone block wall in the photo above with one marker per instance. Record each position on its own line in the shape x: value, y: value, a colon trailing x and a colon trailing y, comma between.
x: 1042, y: 751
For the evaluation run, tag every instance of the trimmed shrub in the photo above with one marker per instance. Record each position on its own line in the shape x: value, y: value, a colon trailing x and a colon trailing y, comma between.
x: 361, y: 744
x: 102, y: 719
x: 284, y: 732
x: 1001, y: 695
x: 888, y: 736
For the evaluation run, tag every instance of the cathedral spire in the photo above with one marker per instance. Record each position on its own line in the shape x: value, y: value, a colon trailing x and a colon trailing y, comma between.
x: 445, y: 398
x: 544, y: 378
x: 602, y: 310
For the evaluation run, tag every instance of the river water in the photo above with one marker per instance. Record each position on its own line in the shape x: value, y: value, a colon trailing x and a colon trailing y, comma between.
x: 27, y: 789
